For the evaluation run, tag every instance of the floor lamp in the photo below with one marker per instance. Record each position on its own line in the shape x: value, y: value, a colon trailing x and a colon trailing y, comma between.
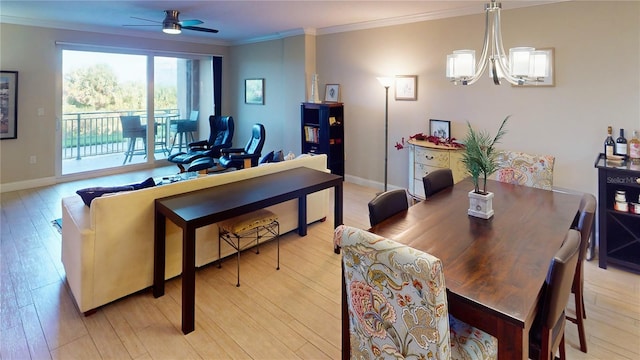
x: 386, y: 82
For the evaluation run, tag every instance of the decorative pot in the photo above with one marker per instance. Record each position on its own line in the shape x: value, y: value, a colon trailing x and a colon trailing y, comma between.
x: 480, y: 205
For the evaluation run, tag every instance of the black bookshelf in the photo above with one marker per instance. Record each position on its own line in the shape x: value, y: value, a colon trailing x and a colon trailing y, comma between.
x: 322, y: 127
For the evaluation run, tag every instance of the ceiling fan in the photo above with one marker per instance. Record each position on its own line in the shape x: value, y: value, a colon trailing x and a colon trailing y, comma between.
x: 172, y: 25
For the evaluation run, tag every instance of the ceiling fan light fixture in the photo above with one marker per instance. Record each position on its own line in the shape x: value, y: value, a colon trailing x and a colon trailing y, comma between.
x: 171, y: 28
x: 171, y: 24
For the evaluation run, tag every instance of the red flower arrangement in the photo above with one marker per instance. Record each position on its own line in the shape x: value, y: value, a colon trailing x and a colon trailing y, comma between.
x: 451, y: 142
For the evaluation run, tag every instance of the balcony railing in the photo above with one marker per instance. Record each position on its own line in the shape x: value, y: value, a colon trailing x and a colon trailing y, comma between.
x: 100, y: 132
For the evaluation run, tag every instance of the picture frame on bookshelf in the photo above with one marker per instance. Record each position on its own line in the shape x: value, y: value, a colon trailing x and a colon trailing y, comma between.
x: 254, y: 91
x: 8, y: 105
x: 332, y: 93
x: 440, y: 128
x: 406, y: 87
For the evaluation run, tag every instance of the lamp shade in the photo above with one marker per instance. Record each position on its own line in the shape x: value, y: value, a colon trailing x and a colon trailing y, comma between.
x: 171, y: 28
x: 539, y: 66
x: 385, y: 81
x: 462, y: 63
x: 520, y: 60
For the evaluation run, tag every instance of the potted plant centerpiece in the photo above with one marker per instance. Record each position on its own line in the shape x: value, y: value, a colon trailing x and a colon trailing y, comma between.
x: 480, y: 159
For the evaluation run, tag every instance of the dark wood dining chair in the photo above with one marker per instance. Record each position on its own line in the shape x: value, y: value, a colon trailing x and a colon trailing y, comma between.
x: 387, y: 204
x: 584, y: 224
x: 547, y: 333
x: 436, y: 181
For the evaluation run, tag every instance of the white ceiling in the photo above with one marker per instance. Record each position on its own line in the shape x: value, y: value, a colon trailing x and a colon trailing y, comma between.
x: 238, y: 21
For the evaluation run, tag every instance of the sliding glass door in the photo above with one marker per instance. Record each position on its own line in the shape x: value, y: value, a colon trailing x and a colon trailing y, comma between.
x: 108, y: 121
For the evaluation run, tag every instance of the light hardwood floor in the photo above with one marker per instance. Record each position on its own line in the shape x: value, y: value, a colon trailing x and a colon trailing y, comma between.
x: 293, y: 313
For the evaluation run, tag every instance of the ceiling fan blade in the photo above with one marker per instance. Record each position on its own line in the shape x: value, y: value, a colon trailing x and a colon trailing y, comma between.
x: 190, y: 22
x: 197, y: 28
x: 138, y: 18
x: 131, y: 25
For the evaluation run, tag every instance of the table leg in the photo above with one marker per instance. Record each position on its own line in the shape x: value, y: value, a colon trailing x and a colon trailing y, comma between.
x: 513, y: 341
x: 302, y: 215
x: 337, y: 206
x: 337, y: 211
x: 188, y: 279
x: 159, y: 251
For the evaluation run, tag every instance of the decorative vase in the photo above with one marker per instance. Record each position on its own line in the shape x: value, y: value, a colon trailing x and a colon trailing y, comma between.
x: 480, y: 205
x: 314, y: 96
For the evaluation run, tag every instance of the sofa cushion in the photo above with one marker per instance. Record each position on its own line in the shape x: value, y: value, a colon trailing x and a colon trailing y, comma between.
x: 278, y: 156
x: 88, y: 194
x: 267, y: 158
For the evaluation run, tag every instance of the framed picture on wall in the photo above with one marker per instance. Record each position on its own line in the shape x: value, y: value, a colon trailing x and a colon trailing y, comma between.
x: 440, y: 128
x: 332, y: 93
x: 254, y: 91
x: 8, y: 105
x: 406, y: 87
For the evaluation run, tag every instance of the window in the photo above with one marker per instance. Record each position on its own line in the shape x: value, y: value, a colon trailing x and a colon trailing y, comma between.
x: 98, y: 88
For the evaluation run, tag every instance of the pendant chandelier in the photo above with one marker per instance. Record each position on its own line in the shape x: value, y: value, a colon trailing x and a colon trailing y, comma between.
x: 524, y: 65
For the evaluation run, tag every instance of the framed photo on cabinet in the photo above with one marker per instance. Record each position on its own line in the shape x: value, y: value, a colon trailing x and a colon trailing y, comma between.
x: 8, y: 105
x: 406, y: 87
x: 440, y: 128
x: 332, y: 93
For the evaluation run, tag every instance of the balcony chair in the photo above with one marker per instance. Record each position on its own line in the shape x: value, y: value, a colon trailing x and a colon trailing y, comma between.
x: 394, y: 304
x: 583, y: 223
x: 248, y: 156
x: 220, y: 137
x: 133, y: 130
x: 436, y: 181
x: 525, y: 169
x: 546, y: 335
x: 387, y: 204
x: 184, y: 128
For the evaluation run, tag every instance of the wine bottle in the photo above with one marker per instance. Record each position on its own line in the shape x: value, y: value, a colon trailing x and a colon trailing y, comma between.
x: 609, y: 144
x: 634, y: 146
x: 621, y: 144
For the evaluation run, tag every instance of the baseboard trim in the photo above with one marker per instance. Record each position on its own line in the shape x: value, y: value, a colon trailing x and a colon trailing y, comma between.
x: 27, y: 184
x: 369, y: 183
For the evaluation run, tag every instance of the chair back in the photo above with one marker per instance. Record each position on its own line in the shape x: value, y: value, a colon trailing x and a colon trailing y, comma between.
x: 525, y: 169
x: 394, y: 299
x: 585, y: 217
x: 559, y: 280
x: 387, y: 204
x: 436, y: 181
x: 132, y: 127
x: 222, y: 128
x: 255, y: 144
x: 547, y: 333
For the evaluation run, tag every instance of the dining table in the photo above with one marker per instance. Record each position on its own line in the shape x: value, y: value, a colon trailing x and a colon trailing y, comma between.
x: 495, y: 268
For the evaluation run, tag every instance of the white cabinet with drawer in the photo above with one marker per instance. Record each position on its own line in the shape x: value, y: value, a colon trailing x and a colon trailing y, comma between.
x: 425, y: 157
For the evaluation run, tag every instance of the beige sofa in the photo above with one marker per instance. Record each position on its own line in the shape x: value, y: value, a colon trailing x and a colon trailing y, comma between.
x: 107, y: 250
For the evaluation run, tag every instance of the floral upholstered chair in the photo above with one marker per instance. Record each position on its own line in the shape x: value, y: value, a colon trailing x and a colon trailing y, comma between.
x: 396, y: 304
x: 525, y: 169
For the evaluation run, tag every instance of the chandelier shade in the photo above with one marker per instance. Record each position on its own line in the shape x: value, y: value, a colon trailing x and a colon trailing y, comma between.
x: 524, y: 65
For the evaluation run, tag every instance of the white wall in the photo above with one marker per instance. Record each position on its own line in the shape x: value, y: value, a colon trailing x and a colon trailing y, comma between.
x: 282, y: 64
x: 597, y: 62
